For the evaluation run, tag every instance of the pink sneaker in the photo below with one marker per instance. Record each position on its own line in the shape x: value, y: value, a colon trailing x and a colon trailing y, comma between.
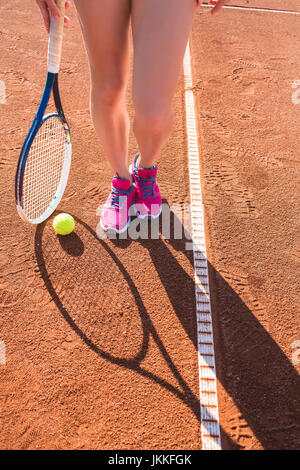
x: 147, y: 198
x: 115, y: 215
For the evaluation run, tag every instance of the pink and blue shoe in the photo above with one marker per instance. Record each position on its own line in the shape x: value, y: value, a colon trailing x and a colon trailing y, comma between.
x: 115, y: 214
x: 148, y: 201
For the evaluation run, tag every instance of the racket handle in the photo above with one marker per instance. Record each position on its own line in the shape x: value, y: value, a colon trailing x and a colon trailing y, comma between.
x: 55, y: 39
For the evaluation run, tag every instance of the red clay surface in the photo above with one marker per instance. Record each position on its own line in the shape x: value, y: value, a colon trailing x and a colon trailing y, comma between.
x: 93, y: 360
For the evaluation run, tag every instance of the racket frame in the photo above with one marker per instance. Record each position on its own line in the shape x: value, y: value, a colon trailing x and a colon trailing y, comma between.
x: 40, y: 118
x: 54, y: 55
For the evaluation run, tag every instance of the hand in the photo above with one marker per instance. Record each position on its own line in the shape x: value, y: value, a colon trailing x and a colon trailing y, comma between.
x: 48, y: 8
x: 218, y: 5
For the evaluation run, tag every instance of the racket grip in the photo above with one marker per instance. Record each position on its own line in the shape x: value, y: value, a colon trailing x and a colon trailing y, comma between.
x: 55, y: 39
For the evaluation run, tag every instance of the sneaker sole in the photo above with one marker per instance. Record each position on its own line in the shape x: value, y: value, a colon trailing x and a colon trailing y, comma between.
x: 148, y: 216
x: 112, y: 229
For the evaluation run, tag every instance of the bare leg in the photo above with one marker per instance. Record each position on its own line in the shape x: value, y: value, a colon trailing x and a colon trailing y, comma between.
x: 160, y: 34
x: 105, y: 29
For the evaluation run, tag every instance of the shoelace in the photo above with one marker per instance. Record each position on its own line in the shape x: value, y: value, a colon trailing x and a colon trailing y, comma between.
x: 115, y: 196
x: 146, y: 185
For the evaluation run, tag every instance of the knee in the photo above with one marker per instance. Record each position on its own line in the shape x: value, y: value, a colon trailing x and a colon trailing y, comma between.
x: 107, y: 92
x: 155, y: 120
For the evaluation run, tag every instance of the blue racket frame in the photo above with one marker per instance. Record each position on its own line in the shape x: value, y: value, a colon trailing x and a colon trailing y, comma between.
x: 51, y: 85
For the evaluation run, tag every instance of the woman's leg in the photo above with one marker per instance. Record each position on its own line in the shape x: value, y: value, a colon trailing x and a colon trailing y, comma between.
x: 105, y: 29
x: 160, y: 34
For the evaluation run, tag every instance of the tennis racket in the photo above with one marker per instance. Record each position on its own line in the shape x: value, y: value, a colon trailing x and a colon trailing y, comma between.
x: 45, y: 159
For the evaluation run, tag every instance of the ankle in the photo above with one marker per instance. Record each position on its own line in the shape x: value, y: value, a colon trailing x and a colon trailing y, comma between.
x: 145, y: 164
x: 124, y: 175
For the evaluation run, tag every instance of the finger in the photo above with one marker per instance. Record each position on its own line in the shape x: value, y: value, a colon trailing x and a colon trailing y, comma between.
x: 218, y: 6
x: 55, y: 11
x: 67, y: 19
x: 45, y: 14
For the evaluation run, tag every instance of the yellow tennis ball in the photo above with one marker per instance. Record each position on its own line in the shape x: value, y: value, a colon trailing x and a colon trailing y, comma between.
x: 63, y: 224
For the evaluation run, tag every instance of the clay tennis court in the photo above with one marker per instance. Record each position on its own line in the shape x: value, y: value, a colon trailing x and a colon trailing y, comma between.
x: 92, y: 359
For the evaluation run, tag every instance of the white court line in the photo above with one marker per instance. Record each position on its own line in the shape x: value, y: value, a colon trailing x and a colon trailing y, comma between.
x: 267, y: 10
x: 2, y: 92
x: 210, y: 427
x: 2, y: 353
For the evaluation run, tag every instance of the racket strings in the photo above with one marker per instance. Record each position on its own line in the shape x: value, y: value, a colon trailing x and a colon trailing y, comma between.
x: 44, y: 167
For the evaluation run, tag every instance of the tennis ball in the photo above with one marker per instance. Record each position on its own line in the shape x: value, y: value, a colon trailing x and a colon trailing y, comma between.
x: 63, y: 224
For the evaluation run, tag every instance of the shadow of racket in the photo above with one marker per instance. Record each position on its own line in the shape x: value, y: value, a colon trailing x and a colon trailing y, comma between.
x: 119, y: 329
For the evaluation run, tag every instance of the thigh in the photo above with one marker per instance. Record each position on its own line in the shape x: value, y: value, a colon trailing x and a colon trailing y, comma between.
x: 160, y: 33
x: 105, y: 30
